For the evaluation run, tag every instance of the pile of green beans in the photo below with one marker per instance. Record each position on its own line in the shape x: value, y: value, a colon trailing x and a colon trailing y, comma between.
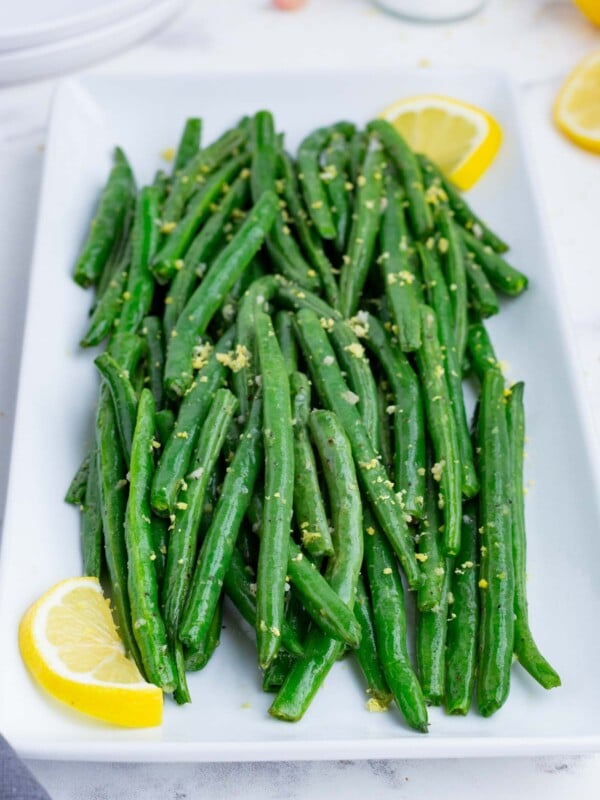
x: 282, y: 421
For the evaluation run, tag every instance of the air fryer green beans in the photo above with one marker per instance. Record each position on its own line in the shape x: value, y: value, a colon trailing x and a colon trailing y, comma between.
x: 282, y: 424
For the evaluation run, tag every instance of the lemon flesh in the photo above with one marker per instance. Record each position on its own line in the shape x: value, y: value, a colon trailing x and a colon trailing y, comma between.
x: 577, y: 106
x: 460, y: 138
x: 70, y: 645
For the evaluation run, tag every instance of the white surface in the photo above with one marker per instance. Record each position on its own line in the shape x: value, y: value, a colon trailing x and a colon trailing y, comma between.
x: 228, y: 719
x: 92, y: 44
x: 31, y: 22
x: 537, y: 41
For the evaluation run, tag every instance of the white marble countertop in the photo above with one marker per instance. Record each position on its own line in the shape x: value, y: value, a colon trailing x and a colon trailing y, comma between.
x: 536, y: 42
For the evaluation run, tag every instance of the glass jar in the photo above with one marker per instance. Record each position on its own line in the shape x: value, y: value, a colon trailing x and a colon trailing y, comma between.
x: 431, y: 10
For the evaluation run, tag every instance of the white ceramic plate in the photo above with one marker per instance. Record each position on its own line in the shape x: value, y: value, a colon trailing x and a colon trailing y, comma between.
x: 33, y: 22
x: 228, y: 719
x: 60, y: 55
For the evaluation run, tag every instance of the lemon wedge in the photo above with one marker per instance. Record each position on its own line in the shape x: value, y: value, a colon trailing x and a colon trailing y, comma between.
x: 70, y: 644
x: 462, y: 139
x: 577, y: 107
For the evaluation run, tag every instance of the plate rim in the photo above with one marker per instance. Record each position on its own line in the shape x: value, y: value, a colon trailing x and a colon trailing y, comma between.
x: 405, y: 746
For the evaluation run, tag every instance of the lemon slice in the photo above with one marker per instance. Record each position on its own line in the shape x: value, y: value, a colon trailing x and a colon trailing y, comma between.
x: 70, y: 645
x: 577, y: 107
x: 462, y: 139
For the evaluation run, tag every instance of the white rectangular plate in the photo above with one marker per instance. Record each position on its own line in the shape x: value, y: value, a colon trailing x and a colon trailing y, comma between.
x: 228, y: 719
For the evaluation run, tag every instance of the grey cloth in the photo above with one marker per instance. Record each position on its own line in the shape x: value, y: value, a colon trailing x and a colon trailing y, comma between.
x: 16, y: 781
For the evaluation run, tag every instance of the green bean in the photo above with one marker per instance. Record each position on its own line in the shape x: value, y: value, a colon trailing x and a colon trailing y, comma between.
x: 401, y: 287
x: 439, y: 299
x: 442, y: 428
x: 148, y: 626
x: 433, y: 561
x: 160, y: 536
x: 501, y: 275
x: 254, y: 299
x: 195, y: 173
x: 296, y: 616
x: 406, y: 161
x: 385, y: 433
x: 335, y: 394
x: 212, y: 495
x: 106, y: 312
x: 277, y: 671
x: 309, y: 509
x: 363, y: 233
x: 218, y: 546
x: 218, y: 281
x: 352, y: 358
x: 189, y: 144
x: 366, y: 653
x: 281, y: 245
x: 75, y: 495
x: 482, y: 297
x: 230, y: 308
x: 320, y: 601
x: 308, y: 237
x: 112, y: 471
x: 264, y: 154
x: 294, y: 296
x: 137, y: 300
x: 307, y: 675
x: 181, y: 692
x: 390, y: 626
x: 284, y: 330
x: 279, y: 491
x: 197, y: 659
x: 242, y: 593
x: 315, y: 194
x: 124, y: 399
x: 152, y: 331
x: 91, y: 522
x: 183, y: 541
x: 525, y: 647
x: 336, y: 157
x: 169, y: 258
x: 496, y: 630
x: 162, y: 184
x: 432, y: 626
x: 298, y: 621
x: 453, y: 256
x: 408, y: 416
x: 114, y: 205
x: 460, y: 208
x: 358, y: 150
x: 178, y: 449
x: 287, y: 257
x: 127, y: 349
x: 481, y: 350
x: 461, y: 639
x: 165, y: 422
x: 331, y: 614
x: 115, y: 258
x: 247, y: 544
x: 202, y: 249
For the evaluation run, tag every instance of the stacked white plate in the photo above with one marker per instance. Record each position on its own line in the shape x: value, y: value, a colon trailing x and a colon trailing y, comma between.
x: 40, y: 38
